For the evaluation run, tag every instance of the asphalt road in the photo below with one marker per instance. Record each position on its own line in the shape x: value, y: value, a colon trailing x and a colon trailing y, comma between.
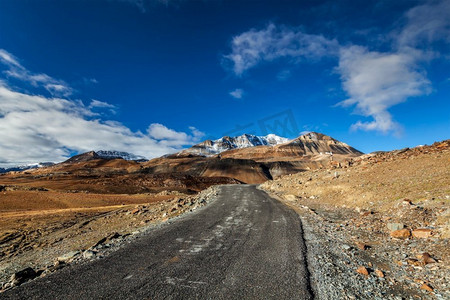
x: 243, y: 245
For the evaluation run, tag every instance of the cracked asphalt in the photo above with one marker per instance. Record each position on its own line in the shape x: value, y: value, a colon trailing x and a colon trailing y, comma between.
x: 242, y: 245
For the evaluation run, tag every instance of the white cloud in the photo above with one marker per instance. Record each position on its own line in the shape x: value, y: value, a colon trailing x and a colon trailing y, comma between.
x: 196, y: 133
x: 377, y: 81
x: 237, y: 93
x: 8, y: 58
x: 374, y: 81
x: 100, y: 104
x: 255, y: 46
x: 36, y: 129
x: 284, y: 75
x: 90, y: 80
x: 170, y: 137
x: 425, y: 24
x: 14, y: 69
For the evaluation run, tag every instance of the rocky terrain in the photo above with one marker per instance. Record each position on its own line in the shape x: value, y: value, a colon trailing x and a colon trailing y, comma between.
x: 377, y: 228
x: 376, y: 225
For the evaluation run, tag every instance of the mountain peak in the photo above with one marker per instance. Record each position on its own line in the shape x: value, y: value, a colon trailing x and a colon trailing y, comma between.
x: 103, y: 154
x: 213, y: 147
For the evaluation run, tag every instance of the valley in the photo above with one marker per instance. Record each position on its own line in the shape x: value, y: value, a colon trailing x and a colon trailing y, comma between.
x: 86, y: 208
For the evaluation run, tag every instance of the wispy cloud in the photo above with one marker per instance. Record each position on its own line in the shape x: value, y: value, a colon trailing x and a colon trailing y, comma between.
x: 15, y: 70
x: 374, y: 80
x: 144, y: 5
x: 425, y: 23
x: 284, y: 75
x: 237, y: 93
x: 274, y: 42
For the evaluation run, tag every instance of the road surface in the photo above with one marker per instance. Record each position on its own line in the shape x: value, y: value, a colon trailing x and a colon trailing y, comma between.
x: 243, y: 245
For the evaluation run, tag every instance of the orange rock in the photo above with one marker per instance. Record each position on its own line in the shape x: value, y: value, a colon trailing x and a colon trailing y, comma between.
x: 426, y: 287
x: 426, y: 258
x: 422, y: 233
x: 361, y: 246
x: 362, y: 270
x: 379, y: 273
x: 401, y: 234
x: 413, y: 261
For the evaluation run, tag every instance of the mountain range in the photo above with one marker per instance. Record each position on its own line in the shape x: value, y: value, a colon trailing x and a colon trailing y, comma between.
x: 245, y: 159
x: 212, y: 147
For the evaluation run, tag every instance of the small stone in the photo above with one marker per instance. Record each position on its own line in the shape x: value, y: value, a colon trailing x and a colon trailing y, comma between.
x: 422, y: 233
x: 379, y: 273
x: 362, y: 270
x: 401, y: 234
x: 346, y: 247
x: 395, y: 226
x: 68, y: 256
x: 361, y: 246
x: 88, y: 254
x: 426, y: 287
x: 413, y: 262
x: 426, y: 258
x: 407, y: 202
x: 290, y: 197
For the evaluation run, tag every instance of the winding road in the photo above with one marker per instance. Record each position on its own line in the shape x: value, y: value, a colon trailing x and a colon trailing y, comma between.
x: 242, y: 245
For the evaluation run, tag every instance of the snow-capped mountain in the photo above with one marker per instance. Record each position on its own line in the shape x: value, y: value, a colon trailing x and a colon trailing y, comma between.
x: 104, y: 154
x: 213, y: 147
x: 108, y: 154
x: 25, y: 167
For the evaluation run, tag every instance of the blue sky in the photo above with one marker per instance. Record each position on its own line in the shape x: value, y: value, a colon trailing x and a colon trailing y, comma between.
x: 151, y: 77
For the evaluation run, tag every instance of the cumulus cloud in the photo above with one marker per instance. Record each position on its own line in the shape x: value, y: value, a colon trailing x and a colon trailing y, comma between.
x: 274, y: 42
x: 170, y: 137
x: 237, y: 93
x: 377, y: 81
x: 374, y: 80
x: 36, y: 129
x: 15, y: 70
